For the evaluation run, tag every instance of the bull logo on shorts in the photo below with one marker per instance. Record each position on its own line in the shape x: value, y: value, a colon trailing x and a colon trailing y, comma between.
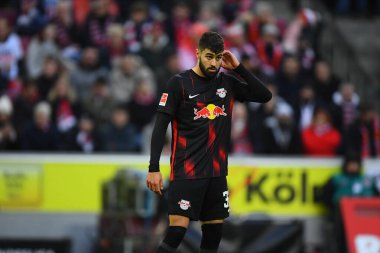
x: 184, y: 204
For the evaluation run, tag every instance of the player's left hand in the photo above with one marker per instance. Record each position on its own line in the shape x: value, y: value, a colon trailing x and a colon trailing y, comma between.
x: 230, y: 61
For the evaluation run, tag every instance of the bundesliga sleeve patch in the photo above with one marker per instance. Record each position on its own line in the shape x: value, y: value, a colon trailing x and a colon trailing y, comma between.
x: 163, y: 99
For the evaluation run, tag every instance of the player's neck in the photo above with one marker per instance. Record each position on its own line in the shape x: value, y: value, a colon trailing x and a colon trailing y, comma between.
x: 197, y: 70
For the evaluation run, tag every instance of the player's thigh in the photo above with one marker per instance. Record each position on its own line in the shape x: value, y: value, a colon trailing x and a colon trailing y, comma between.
x: 185, y: 197
x: 215, y: 204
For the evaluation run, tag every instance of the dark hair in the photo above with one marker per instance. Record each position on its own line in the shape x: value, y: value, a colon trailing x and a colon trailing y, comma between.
x: 322, y: 109
x: 351, y: 156
x: 139, y: 6
x: 212, y: 41
x: 101, y: 80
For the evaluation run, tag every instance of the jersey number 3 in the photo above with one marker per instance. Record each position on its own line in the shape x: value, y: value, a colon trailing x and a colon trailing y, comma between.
x: 225, y: 195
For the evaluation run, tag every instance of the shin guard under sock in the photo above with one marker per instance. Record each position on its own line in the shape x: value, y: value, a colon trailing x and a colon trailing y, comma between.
x: 211, y: 236
x: 172, y: 239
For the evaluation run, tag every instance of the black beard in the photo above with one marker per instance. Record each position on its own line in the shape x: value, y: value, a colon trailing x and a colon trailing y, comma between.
x: 207, y: 73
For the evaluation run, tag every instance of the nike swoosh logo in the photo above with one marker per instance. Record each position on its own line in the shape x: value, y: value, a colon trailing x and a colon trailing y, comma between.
x: 190, y: 96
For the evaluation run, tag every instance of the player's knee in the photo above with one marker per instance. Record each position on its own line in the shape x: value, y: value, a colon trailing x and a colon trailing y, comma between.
x: 173, y: 238
x: 211, y: 236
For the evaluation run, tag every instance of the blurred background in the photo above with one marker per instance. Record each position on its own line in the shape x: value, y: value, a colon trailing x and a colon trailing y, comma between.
x: 79, y: 86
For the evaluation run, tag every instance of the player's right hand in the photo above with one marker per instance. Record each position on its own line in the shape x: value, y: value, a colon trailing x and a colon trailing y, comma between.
x: 154, y: 182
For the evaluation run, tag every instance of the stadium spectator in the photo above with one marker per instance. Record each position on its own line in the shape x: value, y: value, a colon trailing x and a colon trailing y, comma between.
x: 65, y: 109
x: 312, y: 27
x: 125, y: 76
x: 320, y: 138
x: 301, y: 37
x: 185, y: 32
x: 238, y: 45
x: 124, y: 8
x: 137, y: 26
x: 281, y: 135
x: 156, y: 47
x: 179, y: 23
x: 264, y: 15
x: 169, y: 68
x: 187, y: 47
x: 64, y: 21
x: 13, y: 88
x: 289, y: 79
x: 29, y: 21
x: 99, y: 104
x: 303, y: 29
x: 24, y: 105
x: 230, y: 11
x: 11, y: 51
x: 325, y: 83
x: 269, y: 50
x: 40, y: 134
x: 116, y: 46
x: 96, y: 24
x: 40, y: 47
x: 89, y: 69
x: 363, y: 135
x: 252, y: 63
x: 345, y: 106
x: 259, y: 113
x: 120, y: 135
x: 209, y: 15
x: 8, y: 134
x: 51, y: 69
x: 142, y: 104
x: 86, y: 137
x: 349, y: 182
x: 240, y: 143
x: 8, y: 10
x: 305, y: 106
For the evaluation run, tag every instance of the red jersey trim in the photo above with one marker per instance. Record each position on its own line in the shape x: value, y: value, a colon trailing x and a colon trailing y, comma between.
x: 175, y: 138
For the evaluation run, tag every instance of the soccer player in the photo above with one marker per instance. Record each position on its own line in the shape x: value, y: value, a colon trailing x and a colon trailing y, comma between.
x: 198, y: 102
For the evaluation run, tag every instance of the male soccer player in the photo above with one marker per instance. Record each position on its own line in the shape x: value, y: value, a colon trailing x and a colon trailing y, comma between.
x: 198, y: 102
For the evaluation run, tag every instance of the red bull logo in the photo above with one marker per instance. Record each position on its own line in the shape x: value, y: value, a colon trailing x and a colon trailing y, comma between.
x: 211, y: 111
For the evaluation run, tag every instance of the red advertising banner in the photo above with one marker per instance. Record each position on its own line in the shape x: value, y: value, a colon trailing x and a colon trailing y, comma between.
x: 361, y: 217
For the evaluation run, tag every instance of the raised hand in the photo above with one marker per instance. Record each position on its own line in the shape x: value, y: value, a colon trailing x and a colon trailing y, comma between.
x: 230, y: 61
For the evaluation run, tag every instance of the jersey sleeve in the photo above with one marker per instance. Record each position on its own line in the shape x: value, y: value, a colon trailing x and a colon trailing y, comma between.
x: 250, y: 88
x: 238, y: 87
x: 158, y: 140
x: 170, y: 98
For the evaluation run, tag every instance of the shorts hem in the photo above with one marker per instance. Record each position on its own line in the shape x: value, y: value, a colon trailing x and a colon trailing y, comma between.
x: 192, y: 218
x: 214, y: 217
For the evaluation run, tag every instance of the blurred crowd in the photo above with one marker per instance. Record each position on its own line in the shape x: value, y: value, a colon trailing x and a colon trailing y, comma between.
x: 85, y: 76
x: 354, y: 8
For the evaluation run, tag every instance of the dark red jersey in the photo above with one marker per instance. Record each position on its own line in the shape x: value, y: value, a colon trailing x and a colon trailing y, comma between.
x: 201, y: 111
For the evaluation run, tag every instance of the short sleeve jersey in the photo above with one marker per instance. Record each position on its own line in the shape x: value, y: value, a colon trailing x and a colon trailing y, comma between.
x: 201, y: 126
